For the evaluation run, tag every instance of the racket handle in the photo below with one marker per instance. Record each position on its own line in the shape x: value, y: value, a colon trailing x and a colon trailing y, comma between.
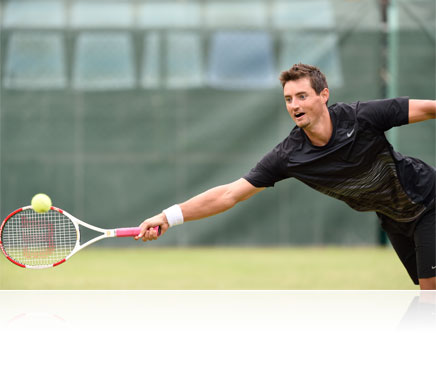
x: 132, y: 231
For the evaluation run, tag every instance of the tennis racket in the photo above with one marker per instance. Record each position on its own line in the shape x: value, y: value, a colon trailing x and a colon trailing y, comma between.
x: 41, y: 240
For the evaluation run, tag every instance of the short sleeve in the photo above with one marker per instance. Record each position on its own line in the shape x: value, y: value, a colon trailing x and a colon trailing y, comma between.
x: 384, y: 114
x: 267, y: 171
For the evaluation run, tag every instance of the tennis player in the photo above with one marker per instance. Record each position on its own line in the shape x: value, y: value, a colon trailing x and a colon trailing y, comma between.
x: 340, y: 150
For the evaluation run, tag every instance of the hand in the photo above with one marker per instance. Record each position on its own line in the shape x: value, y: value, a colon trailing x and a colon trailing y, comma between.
x: 147, y: 232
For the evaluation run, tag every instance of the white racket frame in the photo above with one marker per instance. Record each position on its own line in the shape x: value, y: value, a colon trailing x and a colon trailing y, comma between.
x: 105, y: 233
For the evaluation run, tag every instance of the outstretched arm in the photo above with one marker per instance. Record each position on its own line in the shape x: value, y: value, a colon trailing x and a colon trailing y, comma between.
x: 209, y: 203
x: 421, y: 110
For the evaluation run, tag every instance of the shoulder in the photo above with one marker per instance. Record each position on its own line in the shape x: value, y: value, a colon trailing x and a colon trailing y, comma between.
x: 381, y: 114
x: 284, y: 150
x: 361, y: 107
x: 344, y: 110
x: 294, y: 141
x: 399, y: 104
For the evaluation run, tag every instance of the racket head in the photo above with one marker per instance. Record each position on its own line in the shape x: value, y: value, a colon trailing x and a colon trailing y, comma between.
x: 38, y: 240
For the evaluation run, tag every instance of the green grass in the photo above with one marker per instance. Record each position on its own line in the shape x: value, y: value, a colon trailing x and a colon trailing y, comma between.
x: 216, y: 268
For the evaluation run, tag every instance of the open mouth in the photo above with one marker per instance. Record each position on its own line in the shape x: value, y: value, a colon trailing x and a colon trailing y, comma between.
x: 298, y: 115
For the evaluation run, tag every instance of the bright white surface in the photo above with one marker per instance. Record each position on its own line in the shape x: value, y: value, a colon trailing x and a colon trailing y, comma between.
x: 218, y: 329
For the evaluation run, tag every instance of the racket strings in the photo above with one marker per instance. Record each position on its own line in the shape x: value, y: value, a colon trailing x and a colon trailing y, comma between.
x: 38, y: 239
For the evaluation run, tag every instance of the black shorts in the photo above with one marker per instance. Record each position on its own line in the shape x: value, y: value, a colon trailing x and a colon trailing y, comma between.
x: 415, y: 243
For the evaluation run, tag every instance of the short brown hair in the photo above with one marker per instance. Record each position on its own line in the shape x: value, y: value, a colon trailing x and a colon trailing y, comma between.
x: 300, y: 70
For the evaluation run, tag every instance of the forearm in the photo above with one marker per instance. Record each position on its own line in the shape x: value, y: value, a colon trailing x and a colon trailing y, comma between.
x: 209, y: 203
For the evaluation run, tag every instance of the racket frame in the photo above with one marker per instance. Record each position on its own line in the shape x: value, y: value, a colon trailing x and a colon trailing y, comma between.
x: 105, y: 233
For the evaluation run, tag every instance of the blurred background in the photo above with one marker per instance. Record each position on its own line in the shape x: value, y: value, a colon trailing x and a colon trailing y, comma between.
x: 118, y: 109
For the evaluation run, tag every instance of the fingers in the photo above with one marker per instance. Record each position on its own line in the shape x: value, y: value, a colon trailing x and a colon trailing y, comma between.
x: 150, y: 233
x: 144, y: 229
x: 152, y: 228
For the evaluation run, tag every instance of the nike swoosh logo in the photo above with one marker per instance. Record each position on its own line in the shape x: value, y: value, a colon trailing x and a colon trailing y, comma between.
x: 433, y: 267
x: 350, y: 133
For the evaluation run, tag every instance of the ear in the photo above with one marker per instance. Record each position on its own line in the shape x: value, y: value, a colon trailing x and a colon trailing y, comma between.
x: 325, y: 94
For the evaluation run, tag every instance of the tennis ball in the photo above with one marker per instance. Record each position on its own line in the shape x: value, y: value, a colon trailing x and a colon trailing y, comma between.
x: 41, y: 203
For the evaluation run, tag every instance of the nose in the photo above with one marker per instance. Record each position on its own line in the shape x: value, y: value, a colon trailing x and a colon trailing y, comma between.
x: 294, y: 104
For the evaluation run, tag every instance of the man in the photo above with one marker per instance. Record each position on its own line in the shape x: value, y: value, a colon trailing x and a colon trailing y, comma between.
x: 341, y: 151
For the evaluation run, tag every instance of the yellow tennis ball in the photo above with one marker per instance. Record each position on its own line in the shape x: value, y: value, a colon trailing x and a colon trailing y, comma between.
x: 41, y: 203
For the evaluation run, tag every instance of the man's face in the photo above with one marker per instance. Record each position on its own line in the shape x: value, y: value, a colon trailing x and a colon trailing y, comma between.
x: 302, y: 102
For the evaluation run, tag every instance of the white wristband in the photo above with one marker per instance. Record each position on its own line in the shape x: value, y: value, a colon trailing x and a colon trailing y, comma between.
x: 174, y: 215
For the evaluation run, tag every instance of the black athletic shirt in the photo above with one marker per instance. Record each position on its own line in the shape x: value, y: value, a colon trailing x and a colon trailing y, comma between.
x: 357, y: 165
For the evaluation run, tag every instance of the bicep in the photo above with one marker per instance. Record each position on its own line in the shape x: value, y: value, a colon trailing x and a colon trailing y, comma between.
x: 241, y: 190
x: 421, y: 110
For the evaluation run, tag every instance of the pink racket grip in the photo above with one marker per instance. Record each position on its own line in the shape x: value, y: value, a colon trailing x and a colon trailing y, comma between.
x: 132, y: 231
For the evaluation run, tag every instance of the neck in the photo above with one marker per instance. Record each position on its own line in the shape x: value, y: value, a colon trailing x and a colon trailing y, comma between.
x: 320, y: 133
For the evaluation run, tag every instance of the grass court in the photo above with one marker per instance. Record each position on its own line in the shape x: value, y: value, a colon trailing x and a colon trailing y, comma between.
x: 308, y: 268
